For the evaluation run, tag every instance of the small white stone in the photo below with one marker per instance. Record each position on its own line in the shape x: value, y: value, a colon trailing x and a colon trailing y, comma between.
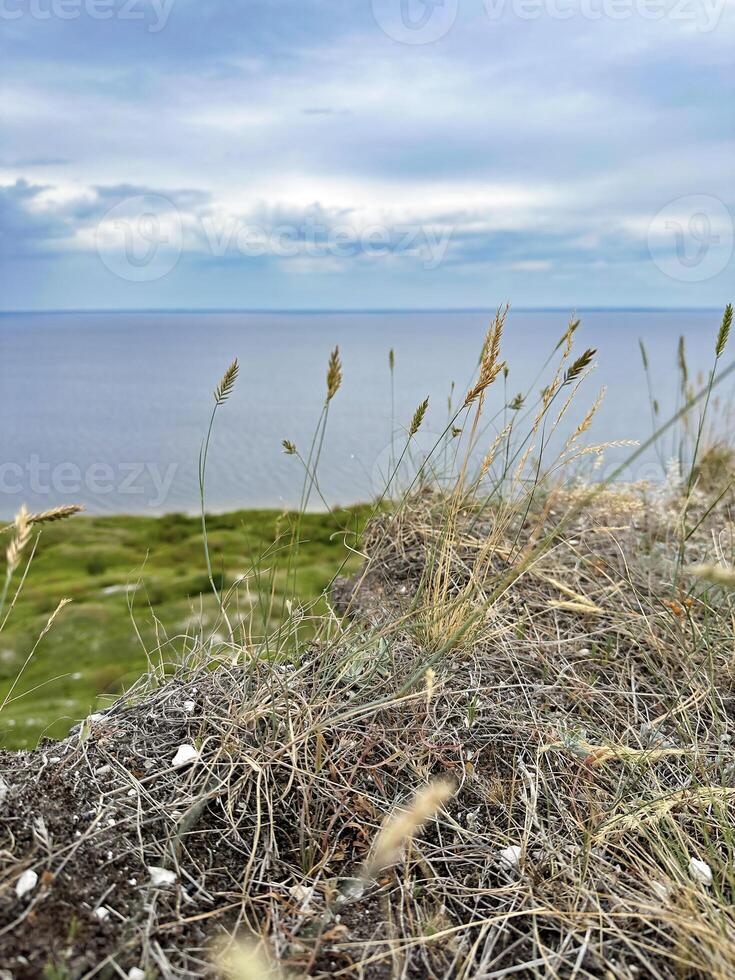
x: 510, y: 857
x: 101, y: 913
x: 700, y: 871
x: 301, y: 894
x: 135, y: 973
x: 185, y: 755
x: 161, y: 877
x: 26, y: 883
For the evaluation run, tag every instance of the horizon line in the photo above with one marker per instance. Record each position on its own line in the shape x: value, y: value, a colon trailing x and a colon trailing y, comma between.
x: 359, y: 310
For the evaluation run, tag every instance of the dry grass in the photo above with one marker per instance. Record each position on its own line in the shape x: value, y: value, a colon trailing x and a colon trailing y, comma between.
x: 507, y: 752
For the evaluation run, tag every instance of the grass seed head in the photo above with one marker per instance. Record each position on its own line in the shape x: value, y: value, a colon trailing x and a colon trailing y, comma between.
x: 21, y: 536
x: 245, y: 961
x: 715, y: 575
x: 566, y: 338
x: 490, y: 364
x: 55, y: 514
x: 418, y: 417
x: 224, y: 389
x: 724, y: 331
x: 580, y: 365
x: 334, y: 374
x: 681, y: 356
x: 403, y: 826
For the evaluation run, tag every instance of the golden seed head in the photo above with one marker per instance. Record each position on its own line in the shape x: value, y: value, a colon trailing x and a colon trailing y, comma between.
x: 404, y: 824
x: 490, y: 365
x: 22, y: 529
x: 224, y: 389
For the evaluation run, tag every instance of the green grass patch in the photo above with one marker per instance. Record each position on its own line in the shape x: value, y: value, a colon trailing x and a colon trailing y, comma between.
x: 140, y: 591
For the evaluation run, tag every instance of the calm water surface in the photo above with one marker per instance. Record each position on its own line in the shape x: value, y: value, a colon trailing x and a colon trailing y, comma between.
x: 109, y: 409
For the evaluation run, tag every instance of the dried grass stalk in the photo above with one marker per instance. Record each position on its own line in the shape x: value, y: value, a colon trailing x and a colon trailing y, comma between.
x: 22, y: 528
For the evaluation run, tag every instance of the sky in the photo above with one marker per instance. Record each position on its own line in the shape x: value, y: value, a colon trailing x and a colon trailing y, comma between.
x: 366, y: 154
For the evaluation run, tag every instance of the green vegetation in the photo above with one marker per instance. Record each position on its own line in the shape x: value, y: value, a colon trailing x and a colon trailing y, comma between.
x: 140, y: 593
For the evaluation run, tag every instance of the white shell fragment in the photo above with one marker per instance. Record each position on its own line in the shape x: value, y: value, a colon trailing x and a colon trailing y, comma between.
x: 510, y: 857
x: 161, y: 877
x: 185, y: 755
x: 26, y: 883
x: 700, y: 871
x: 101, y: 913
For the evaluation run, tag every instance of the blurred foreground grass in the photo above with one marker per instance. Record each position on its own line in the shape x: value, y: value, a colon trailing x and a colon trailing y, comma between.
x: 140, y: 584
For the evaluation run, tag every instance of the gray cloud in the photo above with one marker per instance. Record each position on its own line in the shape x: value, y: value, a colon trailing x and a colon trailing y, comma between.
x: 543, y: 144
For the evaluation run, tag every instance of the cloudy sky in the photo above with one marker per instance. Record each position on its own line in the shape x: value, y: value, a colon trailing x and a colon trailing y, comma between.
x: 355, y: 154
